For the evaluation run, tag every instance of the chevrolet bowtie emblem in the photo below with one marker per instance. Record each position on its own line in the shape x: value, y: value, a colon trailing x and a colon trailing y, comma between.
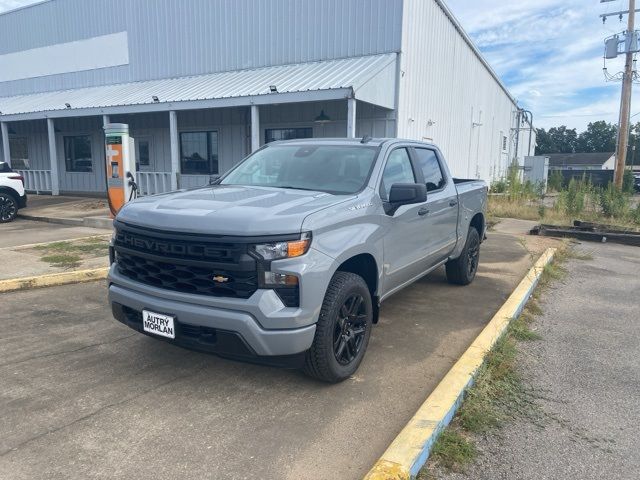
x: 220, y: 279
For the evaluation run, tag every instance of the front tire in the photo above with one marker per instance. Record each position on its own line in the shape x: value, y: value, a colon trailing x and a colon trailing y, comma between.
x: 343, y: 329
x: 8, y: 207
x: 462, y: 270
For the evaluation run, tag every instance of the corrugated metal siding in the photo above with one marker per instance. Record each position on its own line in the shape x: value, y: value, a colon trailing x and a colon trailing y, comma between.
x: 172, y: 38
x: 302, y: 77
x: 444, y: 81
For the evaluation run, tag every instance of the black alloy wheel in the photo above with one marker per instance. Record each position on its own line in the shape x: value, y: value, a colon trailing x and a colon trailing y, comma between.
x: 350, y: 329
x: 8, y: 208
x: 473, y: 256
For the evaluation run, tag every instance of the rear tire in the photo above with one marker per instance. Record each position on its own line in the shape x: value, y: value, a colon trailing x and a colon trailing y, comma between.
x: 8, y: 207
x: 343, y: 329
x: 462, y: 270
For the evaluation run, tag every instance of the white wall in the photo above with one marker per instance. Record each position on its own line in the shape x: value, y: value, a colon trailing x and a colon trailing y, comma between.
x: 445, y: 88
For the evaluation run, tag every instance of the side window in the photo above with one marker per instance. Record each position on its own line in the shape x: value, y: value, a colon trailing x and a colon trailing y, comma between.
x: 397, y: 170
x: 431, y: 171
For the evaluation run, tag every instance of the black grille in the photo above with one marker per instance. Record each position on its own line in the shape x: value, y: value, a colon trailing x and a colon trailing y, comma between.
x: 187, y: 278
x: 186, y: 263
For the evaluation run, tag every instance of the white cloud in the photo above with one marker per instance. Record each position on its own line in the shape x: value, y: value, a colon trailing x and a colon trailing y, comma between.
x: 549, y: 53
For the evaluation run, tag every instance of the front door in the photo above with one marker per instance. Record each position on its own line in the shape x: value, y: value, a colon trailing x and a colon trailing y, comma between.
x: 405, y: 249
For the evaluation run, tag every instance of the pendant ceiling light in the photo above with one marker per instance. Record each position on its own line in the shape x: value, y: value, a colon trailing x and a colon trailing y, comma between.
x: 322, y: 118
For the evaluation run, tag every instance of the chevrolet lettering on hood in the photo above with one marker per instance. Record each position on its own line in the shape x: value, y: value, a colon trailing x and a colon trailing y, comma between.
x: 151, y: 245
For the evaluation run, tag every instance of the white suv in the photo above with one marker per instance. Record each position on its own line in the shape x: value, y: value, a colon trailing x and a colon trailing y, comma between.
x: 12, y: 194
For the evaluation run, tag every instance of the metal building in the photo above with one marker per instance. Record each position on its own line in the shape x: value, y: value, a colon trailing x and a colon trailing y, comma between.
x: 202, y: 83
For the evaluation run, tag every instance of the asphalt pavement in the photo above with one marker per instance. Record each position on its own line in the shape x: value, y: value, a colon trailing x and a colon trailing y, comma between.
x: 585, y: 376
x: 85, y: 397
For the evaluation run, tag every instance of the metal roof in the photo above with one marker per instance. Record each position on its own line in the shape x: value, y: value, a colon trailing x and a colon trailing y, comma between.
x: 590, y: 158
x: 330, y: 75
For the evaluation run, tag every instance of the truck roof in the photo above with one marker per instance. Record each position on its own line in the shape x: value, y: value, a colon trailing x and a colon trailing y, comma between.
x: 376, y: 142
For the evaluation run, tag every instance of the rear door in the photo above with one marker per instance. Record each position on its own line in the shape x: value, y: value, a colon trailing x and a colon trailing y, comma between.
x: 441, y: 221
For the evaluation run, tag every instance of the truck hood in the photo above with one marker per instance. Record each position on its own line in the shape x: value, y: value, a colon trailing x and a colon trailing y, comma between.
x: 228, y: 210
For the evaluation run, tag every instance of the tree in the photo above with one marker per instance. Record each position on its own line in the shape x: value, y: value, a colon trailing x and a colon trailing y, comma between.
x: 556, y: 140
x: 599, y: 136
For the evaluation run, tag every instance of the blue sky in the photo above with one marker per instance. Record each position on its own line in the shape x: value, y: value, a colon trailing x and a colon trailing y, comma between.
x: 548, y: 53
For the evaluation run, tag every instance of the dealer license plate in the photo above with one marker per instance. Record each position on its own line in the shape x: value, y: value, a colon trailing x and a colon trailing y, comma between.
x: 158, y: 324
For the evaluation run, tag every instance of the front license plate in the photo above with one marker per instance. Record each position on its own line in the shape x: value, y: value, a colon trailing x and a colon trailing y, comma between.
x: 158, y: 324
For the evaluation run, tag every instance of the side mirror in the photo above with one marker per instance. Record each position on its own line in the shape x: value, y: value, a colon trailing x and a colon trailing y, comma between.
x: 407, y: 193
x: 214, y: 179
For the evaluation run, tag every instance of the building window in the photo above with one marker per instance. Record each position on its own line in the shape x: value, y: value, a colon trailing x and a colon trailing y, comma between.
x: 431, y: 171
x: 144, y: 152
x: 273, y: 134
x: 19, y: 153
x: 199, y: 153
x: 77, y: 154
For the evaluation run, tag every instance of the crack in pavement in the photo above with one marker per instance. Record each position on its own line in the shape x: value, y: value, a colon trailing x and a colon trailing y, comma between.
x: 100, y: 410
x: 64, y: 352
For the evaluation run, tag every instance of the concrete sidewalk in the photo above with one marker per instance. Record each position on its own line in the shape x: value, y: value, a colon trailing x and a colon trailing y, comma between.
x: 85, y: 397
x: 585, y: 374
x: 66, y: 210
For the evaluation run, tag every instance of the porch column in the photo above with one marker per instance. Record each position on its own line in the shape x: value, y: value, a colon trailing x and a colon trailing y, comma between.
x: 105, y: 120
x: 175, y: 149
x: 255, y: 128
x: 53, y: 158
x: 351, y: 118
x: 6, y: 151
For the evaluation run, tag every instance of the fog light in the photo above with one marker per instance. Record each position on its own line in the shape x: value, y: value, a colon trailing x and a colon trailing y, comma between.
x: 280, y: 279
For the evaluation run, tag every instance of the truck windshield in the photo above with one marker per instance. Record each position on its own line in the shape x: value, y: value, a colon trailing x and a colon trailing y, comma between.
x: 336, y: 169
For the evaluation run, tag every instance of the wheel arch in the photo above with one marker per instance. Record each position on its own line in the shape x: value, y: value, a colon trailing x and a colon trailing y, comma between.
x: 478, y: 223
x: 10, y: 191
x: 364, y: 265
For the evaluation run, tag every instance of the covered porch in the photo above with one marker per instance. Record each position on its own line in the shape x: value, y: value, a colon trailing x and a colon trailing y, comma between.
x: 188, y: 129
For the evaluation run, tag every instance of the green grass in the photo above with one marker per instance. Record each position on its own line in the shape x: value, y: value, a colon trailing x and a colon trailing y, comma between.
x: 69, y: 254
x: 89, y: 246
x: 62, y: 260
x: 499, y: 393
x: 453, y: 450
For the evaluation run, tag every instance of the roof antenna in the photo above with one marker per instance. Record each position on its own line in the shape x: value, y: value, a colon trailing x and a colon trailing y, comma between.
x: 365, y: 139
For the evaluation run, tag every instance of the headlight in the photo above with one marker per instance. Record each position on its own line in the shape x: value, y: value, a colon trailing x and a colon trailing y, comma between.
x: 278, y: 250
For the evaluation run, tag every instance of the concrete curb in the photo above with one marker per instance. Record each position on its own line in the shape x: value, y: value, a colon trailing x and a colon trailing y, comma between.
x: 93, y: 222
x: 409, y: 451
x: 53, y: 279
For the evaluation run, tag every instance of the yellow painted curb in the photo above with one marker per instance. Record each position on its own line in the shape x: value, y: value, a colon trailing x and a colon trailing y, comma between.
x: 53, y: 279
x: 409, y: 451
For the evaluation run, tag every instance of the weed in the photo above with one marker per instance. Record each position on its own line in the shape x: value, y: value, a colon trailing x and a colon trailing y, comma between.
x: 62, y: 260
x: 453, y: 451
x: 498, y: 393
x: 555, y: 181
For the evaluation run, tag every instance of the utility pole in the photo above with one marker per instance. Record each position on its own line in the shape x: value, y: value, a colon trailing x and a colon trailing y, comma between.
x: 625, y: 104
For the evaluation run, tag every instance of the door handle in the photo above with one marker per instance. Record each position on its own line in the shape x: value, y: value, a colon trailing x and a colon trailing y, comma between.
x: 453, y: 203
x: 423, y: 211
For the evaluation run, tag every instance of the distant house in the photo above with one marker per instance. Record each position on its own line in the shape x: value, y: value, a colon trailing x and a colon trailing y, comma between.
x: 582, y: 161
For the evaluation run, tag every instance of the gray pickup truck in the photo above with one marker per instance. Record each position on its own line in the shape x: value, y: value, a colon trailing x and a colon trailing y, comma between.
x: 286, y: 258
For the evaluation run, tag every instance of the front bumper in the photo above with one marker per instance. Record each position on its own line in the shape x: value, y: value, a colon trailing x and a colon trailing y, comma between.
x: 231, y: 333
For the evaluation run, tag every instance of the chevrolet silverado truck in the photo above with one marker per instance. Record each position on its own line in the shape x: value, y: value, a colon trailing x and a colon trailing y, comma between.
x: 286, y: 259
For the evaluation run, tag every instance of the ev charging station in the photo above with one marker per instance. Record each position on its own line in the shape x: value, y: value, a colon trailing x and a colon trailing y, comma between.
x: 120, y: 166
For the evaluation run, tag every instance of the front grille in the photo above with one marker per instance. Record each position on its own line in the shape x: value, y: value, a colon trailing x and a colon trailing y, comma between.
x: 186, y: 278
x: 185, y: 263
